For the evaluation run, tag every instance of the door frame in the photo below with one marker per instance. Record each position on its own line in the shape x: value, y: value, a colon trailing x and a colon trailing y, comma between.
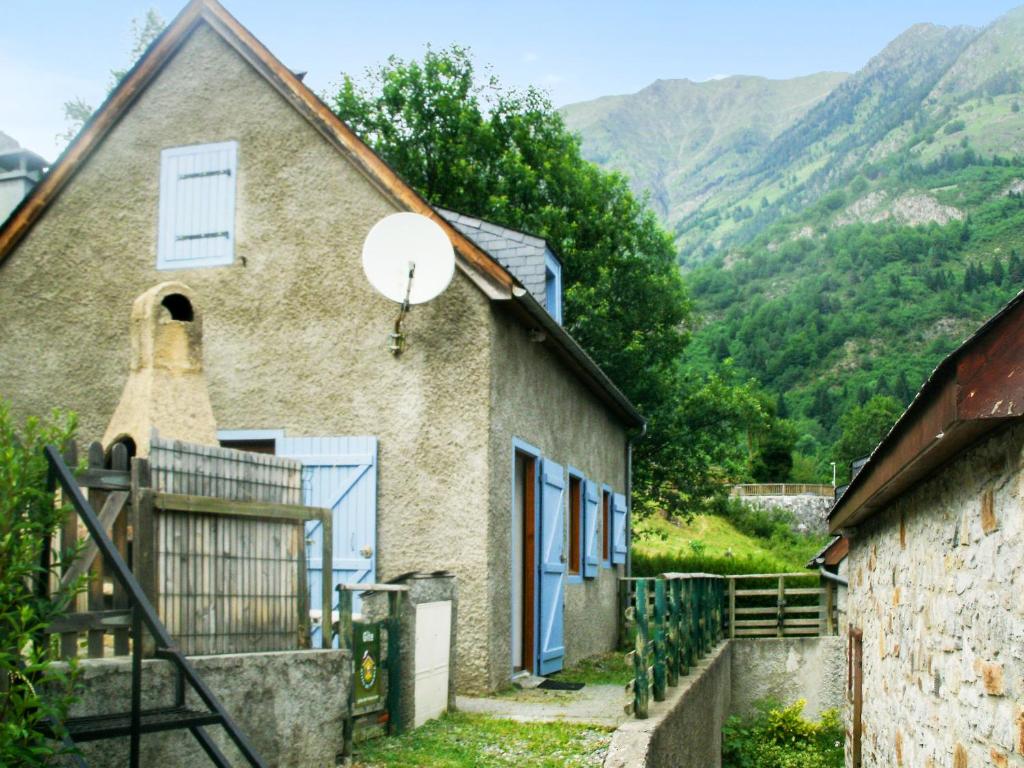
x: 522, y: 447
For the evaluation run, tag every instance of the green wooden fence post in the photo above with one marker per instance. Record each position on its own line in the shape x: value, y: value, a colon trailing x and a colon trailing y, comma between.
x: 641, y: 682
x: 659, y: 640
x: 679, y: 613
x: 671, y: 635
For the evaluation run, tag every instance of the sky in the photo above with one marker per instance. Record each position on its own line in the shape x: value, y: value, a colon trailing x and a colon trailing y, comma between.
x: 52, y: 51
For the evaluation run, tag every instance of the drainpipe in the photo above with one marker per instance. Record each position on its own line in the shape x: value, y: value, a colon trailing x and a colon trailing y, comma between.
x: 629, y: 496
x: 832, y: 576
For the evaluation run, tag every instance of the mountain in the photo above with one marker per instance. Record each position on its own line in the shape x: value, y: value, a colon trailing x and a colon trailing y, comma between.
x: 845, y: 256
x: 677, y: 140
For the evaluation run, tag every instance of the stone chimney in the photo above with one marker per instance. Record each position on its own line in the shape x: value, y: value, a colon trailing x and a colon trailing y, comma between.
x: 166, y: 389
x: 20, y: 170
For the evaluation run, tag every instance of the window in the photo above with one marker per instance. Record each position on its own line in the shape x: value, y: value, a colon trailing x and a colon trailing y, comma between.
x: 553, y: 286
x: 197, y: 206
x: 606, y: 526
x: 575, y: 523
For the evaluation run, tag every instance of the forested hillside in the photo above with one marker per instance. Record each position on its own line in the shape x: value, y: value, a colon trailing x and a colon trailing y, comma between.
x: 872, y: 234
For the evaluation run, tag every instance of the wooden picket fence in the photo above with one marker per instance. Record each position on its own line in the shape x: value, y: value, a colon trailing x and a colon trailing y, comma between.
x: 673, y: 622
x: 783, y: 489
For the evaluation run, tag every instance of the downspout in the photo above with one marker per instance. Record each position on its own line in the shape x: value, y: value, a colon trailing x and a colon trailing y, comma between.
x: 832, y: 576
x: 629, y: 496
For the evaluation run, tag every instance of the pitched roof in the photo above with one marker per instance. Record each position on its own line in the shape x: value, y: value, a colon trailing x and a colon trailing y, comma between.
x: 522, y: 254
x: 472, y: 260
x: 977, y: 388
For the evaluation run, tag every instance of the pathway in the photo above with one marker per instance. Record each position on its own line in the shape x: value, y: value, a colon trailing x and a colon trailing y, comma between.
x: 596, y: 704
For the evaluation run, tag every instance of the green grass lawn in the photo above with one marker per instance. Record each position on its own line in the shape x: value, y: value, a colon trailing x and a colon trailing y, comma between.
x: 602, y: 669
x: 460, y: 740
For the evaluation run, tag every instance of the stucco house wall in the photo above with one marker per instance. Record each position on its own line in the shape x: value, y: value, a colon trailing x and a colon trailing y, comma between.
x: 937, y: 586
x: 574, y: 429
x: 295, y: 339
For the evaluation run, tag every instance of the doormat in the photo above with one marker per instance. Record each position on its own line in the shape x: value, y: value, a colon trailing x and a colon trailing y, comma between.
x: 559, y: 685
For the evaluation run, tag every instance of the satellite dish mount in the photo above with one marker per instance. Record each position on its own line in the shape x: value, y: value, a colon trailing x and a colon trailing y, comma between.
x: 409, y: 259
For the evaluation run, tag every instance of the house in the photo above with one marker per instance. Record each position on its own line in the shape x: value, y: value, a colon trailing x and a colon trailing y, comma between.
x: 936, y: 567
x: 492, y: 447
x: 20, y: 170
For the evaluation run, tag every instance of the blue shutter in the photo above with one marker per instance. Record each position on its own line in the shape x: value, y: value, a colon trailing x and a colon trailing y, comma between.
x: 197, y: 205
x: 340, y: 474
x: 619, y: 520
x: 591, y: 543
x: 552, y: 568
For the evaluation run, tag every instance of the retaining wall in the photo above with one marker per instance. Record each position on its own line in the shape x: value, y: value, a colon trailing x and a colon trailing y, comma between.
x: 810, y: 512
x: 787, y: 669
x: 291, y: 706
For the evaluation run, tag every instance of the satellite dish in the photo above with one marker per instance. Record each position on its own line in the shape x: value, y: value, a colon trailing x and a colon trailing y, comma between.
x: 408, y: 258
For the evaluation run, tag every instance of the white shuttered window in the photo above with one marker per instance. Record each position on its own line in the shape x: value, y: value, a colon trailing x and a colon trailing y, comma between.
x: 197, y: 206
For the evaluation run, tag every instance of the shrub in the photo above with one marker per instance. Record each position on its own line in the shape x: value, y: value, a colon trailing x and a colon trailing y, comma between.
x: 779, y: 737
x: 35, y: 692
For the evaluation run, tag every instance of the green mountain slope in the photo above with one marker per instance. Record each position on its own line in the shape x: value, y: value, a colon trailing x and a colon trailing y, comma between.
x: 679, y: 140
x: 868, y: 237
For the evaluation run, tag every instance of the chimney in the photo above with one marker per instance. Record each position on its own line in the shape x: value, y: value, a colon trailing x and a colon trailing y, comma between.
x: 166, y: 389
x: 20, y: 170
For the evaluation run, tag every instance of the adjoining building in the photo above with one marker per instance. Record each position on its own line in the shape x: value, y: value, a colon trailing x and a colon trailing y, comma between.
x: 493, y: 447
x: 936, y: 568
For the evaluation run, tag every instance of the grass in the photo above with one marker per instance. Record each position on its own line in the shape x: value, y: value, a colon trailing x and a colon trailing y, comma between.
x: 602, y: 669
x: 461, y: 740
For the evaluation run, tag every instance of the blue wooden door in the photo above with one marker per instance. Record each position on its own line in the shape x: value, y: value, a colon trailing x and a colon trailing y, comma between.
x: 340, y: 474
x: 551, y: 650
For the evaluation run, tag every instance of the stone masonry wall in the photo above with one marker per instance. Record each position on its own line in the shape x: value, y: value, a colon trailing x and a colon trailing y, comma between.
x: 811, y: 512
x: 937, y: 586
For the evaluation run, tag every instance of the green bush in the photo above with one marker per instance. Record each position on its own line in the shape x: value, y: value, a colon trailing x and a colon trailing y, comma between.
x: 34, y: 690
x: 779, y: 737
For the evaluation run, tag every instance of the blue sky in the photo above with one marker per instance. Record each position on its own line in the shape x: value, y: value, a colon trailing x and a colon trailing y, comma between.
x: 54, y: 50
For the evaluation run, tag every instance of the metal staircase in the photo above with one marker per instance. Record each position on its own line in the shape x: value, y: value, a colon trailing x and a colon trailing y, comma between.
x: 137, y: 721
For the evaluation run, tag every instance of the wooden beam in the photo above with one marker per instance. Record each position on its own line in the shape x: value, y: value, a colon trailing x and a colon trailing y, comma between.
x: 206, y: 505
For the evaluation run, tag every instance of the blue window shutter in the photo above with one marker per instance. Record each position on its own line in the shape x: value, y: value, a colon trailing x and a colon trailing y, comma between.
x: 197, y: 206
x: 591, y: 542
x: 552, y: 568
x: 619, y: 521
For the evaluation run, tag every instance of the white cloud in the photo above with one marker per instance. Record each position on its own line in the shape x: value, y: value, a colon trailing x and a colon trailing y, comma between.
x: 530, y: 56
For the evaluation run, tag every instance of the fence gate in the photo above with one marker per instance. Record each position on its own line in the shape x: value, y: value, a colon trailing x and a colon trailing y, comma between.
x: 339, y: 473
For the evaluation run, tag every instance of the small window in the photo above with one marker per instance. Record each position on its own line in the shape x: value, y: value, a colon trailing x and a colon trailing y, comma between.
x: 197, y: 206
x: 575, y: 523
x: 553, y: 286
x: 606, y: 526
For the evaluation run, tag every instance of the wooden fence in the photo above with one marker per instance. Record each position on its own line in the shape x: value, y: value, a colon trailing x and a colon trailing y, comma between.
x: 674, y: 621
x: 215, y: 537
x: 783, y: 489
x: 763, y: 605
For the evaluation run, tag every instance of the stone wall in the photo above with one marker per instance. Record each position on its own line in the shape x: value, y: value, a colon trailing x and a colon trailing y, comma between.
x: 788, y: 669
x: 685, y: 730
x: 810, y: 512
x: 291, y: 706
x: 937, y: 587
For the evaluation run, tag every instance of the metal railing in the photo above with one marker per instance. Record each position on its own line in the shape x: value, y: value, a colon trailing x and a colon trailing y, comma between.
x: 138, y: 721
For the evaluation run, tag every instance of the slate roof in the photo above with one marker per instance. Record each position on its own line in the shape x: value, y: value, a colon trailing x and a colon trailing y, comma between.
x: 522, y: 254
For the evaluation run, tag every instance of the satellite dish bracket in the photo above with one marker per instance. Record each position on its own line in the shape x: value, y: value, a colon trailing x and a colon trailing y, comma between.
x: 396, y: 340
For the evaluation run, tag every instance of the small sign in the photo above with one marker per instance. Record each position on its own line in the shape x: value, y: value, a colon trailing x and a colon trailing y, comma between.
x: 366, y: 660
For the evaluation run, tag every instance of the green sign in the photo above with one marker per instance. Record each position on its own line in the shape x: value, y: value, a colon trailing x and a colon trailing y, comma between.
x: 366, y: 658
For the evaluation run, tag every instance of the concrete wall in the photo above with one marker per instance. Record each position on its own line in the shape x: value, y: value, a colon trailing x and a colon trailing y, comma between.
x: 788, y: 669
x: 937, y: 586
x: 532, y: 399
x: 294, y: 339
x: 291, y: 706
x: 685, y: 730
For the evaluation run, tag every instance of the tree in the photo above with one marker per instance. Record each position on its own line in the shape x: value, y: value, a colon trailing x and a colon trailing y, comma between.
x: 465, y: 142
x: 862, y: 428
x: 35, y: 690
x: 143, y: 31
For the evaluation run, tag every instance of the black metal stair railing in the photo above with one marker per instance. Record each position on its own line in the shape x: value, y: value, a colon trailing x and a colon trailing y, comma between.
x: 137, y: 720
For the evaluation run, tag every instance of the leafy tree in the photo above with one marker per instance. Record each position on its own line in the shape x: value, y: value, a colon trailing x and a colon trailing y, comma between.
x: 863, y: 427
x: 143, y: 31
x: 36, y: 692
x: 465, y: 142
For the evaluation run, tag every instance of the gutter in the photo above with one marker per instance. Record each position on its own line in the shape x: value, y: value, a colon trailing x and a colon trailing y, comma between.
x: 629, y: 497
x: 825, y: 574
